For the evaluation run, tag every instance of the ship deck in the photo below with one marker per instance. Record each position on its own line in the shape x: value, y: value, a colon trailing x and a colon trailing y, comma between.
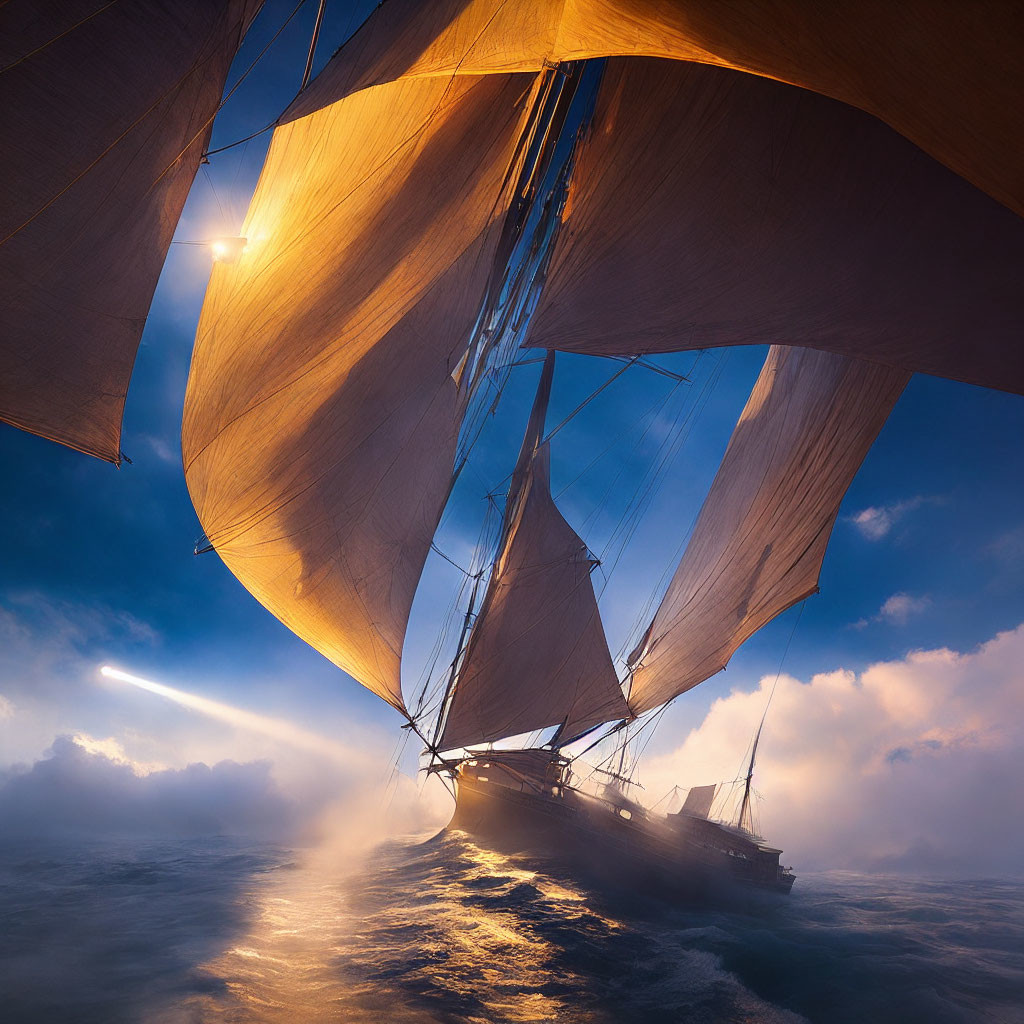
x: 563, y: 822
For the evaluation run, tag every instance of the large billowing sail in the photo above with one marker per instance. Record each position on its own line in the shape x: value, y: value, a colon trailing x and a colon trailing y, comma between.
x: 710, y: 208
x: 321, y: 415
x: 105, y: 110
x: 537, y: 656
x: 761, y: 535
x: 947, y: 76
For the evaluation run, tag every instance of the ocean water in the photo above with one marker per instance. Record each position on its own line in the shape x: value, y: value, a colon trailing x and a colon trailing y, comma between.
x: 444, y: 930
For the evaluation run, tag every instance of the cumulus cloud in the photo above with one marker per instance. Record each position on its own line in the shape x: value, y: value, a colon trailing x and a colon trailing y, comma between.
x: 912, y: 764
x: 89, y: 788
x: 205, y: 766
x: 80, y: 789
x: 876, y: 521
x: 113, y: 750
x: 896, y: 610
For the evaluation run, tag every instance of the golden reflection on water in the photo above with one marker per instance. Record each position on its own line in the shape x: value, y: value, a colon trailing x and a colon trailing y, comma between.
x: 422, y: 937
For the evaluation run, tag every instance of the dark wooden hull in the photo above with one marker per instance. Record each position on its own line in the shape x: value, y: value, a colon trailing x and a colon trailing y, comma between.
x: 574, y: 829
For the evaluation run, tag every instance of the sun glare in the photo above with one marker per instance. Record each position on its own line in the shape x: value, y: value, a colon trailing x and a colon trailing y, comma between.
x: 228, y: 249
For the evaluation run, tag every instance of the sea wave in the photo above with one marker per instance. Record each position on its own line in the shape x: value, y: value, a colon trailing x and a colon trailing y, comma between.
x: 445, y: 930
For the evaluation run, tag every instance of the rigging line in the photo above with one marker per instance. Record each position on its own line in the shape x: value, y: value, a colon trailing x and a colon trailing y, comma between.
x: 644, y: 615
x: 245, y: 74
x: 630, y: 738
x: 674, y: 791
x: 394, y: 776
x: 648, y: 365
x: 600, y: 739
x: 426, y: 676
x: 213, y: 188
x: 434, y: 547
x: 57, y: 38
x: 775, y: 682
x: 312, y: 44
x: 238, y: 171
x: 479, y: 560
x: 647, y: 490
x: 652, y: 411
x: 782, y: 661
x: 248, y: 138
x: 640, y: 752
x: 614, y: 377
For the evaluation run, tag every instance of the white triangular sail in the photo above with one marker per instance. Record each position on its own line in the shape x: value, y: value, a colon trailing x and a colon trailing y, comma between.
x: 947, y: 76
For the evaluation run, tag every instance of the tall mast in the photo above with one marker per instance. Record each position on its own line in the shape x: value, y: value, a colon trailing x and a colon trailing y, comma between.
x: 531, y: 440
x: 536, y: 655
x: 745, y: 805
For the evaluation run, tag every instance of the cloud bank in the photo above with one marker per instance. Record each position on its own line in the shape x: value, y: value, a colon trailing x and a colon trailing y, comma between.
x: 96, y: 792
x: 912, y: 765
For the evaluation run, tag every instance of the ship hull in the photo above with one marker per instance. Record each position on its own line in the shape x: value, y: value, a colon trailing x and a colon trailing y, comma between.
x: 586, y: 835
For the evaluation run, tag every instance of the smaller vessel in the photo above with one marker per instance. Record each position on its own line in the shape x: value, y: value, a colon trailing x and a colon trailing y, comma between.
x: 525, y: 800
x: 536, y: 643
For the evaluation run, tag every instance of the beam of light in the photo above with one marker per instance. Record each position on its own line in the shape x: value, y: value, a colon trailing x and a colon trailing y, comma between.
x: 264, y: 725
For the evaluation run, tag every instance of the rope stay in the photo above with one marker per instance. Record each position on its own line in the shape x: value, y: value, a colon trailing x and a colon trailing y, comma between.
x: 312, y: 45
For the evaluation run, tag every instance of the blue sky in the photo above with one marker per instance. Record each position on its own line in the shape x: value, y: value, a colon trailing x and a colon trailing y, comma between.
x: 98, y: 567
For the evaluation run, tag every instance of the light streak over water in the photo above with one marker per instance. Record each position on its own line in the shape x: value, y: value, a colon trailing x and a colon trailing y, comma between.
x: 264, y: 725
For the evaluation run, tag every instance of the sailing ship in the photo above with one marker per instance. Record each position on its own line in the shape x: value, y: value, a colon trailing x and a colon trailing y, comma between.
x: 466, y: 179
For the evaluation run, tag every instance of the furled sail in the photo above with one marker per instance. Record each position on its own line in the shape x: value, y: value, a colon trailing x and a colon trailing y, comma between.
x: 734, y: 210
x: 537, y: 655
x: 321, y: 415
x: 947, y: 76
x: 105, y: 110
x: 760, y: 538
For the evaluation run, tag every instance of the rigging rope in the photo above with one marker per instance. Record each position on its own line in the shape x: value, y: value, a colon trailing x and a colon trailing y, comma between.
x: 645, y: 614
x: 775, y: 682
x: 57, y: 38
x: 231, y: 92
x: 586, y: 401
x: 435, y: 548
x: 312, y: 44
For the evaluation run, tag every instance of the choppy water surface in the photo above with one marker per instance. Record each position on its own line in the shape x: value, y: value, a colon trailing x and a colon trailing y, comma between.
x: 446, y: 931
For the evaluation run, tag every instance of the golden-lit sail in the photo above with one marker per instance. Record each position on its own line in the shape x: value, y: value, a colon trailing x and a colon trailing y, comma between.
x: 105, y: 110
x: 947, y: 76
x: 709, y: 208
x: 321, y: 414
